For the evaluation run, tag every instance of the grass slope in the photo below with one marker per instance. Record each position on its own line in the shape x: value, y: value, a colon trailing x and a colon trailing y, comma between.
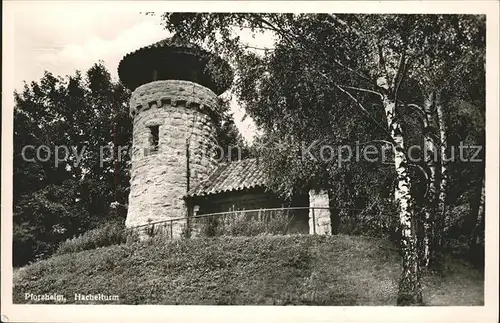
x: 273, y: 270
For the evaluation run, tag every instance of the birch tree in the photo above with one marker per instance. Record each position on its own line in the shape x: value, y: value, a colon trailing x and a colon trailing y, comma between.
x: 364, y: 61
x: 451, y: 71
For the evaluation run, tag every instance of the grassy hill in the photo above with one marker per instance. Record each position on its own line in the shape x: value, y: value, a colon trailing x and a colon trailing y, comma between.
x: 272, y: 270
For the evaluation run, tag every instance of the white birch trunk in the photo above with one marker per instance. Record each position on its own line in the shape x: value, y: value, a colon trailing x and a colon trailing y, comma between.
x: 409, y: 288
x: 443, y: 185
x: 432, y: 192
x: 480, y: 217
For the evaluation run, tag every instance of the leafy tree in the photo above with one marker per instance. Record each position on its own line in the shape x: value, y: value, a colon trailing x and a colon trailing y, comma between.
x: 67, y: 188
x: 85, y: 120
x: 353, y: 77
x: 232, y: 145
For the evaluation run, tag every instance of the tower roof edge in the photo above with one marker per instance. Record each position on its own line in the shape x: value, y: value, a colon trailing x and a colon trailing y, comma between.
x: 173, y: 58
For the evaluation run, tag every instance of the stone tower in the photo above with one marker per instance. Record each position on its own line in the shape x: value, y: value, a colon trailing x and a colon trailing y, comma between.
x: 175, y: 87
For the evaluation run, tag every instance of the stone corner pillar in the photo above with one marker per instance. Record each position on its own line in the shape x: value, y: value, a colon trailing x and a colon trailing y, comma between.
x: 319, y: 213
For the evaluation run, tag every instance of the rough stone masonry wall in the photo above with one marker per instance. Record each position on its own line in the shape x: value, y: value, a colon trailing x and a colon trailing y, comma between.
x: 321, y: 216
x: 159, y: 180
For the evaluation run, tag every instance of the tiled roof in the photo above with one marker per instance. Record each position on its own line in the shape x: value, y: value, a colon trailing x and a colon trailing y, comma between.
x: 232, y: 176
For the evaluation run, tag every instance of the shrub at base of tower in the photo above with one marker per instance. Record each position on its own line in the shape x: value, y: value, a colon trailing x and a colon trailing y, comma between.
x: 241, y: 224
x: 111, y: 233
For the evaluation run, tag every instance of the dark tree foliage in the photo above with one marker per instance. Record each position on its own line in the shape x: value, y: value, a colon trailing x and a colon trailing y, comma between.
x: 345, y: 78
x: 59, y: 196
x: 67, y: 188
x: 232, y: 145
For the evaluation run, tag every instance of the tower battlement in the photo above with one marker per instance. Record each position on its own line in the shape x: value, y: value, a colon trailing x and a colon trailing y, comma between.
x: 174, y: 93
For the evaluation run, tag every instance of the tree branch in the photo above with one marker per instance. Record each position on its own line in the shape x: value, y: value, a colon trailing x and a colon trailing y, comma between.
x: 427, y: 181
x: 290, y: 37
x: 254, y: 28
x: 381, y: 59
x: 343, y: 23
x: 362, y: 90
x: 368, y: 114
x: 276, y: 29
x: 376, y: 140
x: 398, y: 78
x: 257, y: 48
x: 421, y: 112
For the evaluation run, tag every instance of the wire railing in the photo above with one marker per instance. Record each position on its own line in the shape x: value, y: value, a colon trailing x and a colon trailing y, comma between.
x: 285, y: 220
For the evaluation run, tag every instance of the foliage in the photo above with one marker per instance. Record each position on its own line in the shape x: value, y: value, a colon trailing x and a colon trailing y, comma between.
x: 111, y: 233
x: 58, y: 199
x: 160, y: 230
x: 375, y: 221
x: 242, y: 224
x: 331, y: 77
x: 291, y: 90
x: 209, y: 226
x: 227, y: 135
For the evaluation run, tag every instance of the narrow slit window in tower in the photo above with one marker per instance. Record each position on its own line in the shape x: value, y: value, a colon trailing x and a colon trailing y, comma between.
x: 154, y: 138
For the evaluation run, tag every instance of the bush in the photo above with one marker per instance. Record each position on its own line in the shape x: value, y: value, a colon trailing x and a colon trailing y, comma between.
x: 242, y: 224
x: 278, y: 224
x: 111, y: 233
x: 379, y: 220
x: 210, y: 226
x: 462, y: 239
x: 27, y: 247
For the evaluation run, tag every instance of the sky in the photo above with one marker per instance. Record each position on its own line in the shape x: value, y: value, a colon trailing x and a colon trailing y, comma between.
x: 63, y: 39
